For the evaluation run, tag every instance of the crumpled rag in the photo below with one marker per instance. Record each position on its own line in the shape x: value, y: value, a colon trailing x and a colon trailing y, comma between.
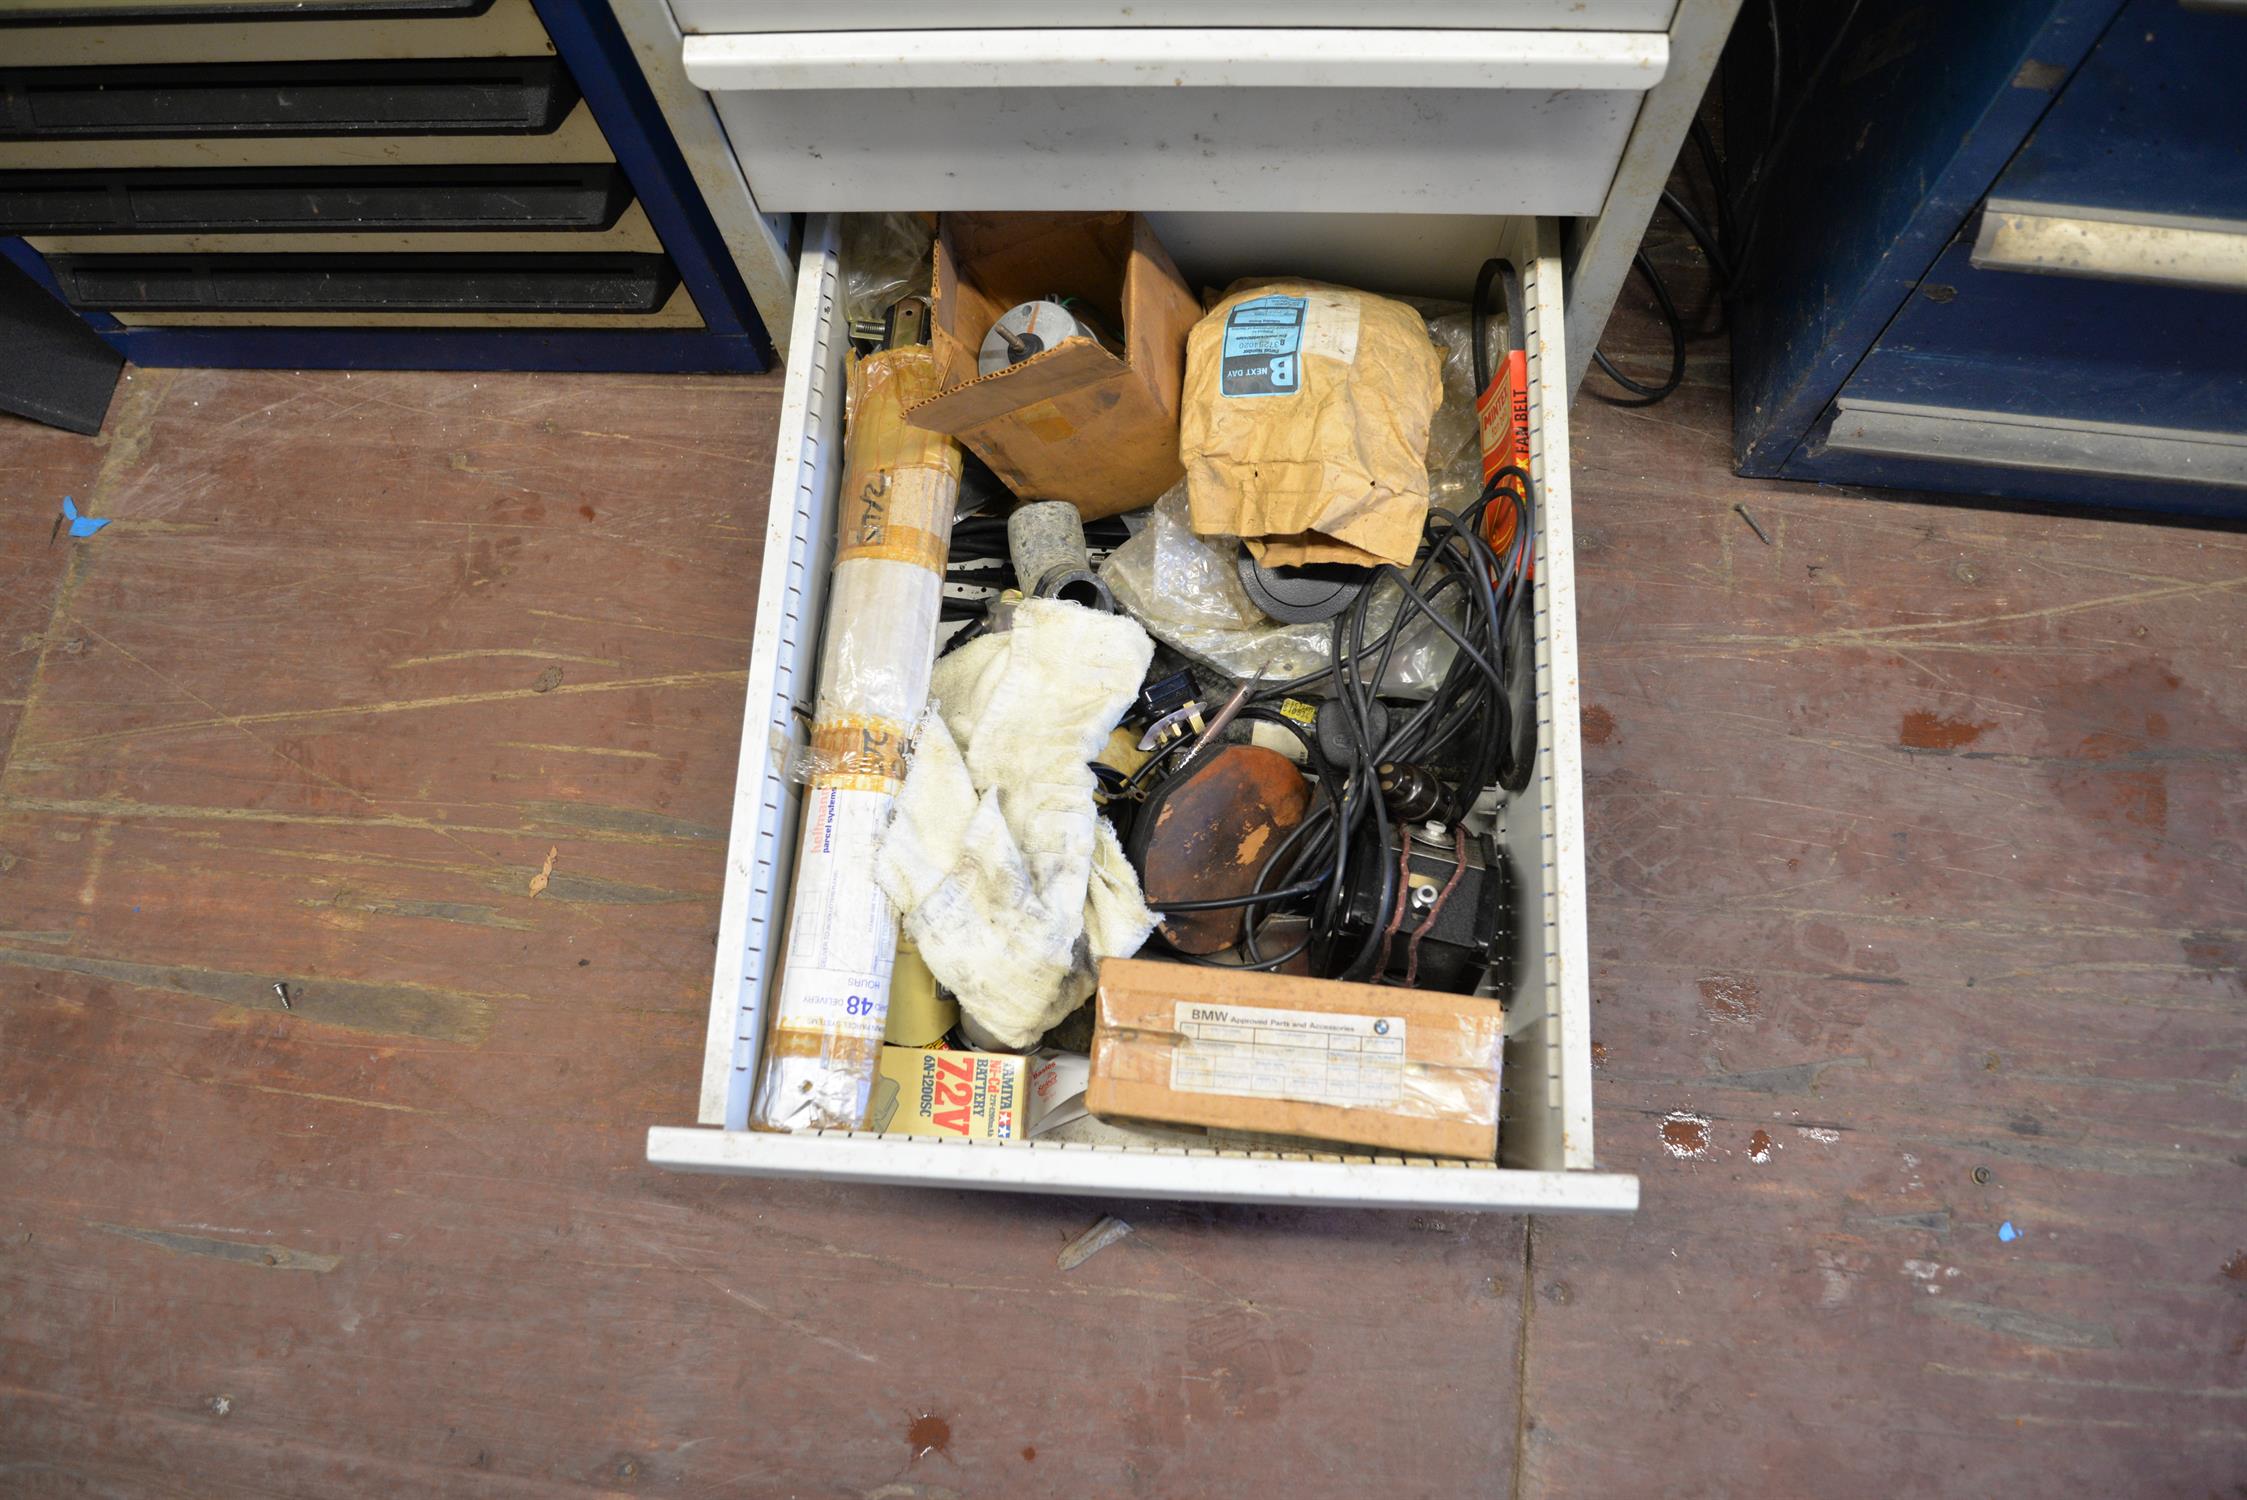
x: 996, y: 857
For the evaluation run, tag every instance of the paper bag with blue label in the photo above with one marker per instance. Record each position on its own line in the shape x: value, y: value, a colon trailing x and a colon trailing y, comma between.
x: 1304, y: 428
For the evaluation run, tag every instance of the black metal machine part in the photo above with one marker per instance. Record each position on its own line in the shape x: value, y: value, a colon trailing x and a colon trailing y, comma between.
x: 1301, y: 596
x: 1351, y: 878
x: 1441, y: 941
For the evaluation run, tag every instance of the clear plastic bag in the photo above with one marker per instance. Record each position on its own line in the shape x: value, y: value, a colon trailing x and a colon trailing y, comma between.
x: 884, y: 257
x: 1186, y: 590
x: 1455, y: 436
x: 1423, y: 652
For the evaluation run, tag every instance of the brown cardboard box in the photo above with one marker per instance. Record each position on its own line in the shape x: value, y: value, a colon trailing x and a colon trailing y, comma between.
x: 1074, y: 423
x: 1408, y: 1071
x: 952, y: 1095
x: 976, y: 1096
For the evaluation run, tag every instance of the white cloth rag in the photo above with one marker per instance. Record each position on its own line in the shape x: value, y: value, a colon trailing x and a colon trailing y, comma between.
x: 996, y: 857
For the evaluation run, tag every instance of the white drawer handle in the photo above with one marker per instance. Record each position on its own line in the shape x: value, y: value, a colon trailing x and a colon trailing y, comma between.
x: 2164, y: 249
x: 1180, y: 57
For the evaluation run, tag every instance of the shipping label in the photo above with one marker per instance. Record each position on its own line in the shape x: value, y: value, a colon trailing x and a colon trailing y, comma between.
x: 842, y: 931
x: 1263, y: 353
x: 1315, y: 1057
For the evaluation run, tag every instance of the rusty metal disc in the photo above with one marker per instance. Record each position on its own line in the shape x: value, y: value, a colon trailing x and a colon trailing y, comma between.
x: 1206, y: 835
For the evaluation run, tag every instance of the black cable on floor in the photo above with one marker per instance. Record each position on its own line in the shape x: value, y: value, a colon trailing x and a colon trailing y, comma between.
x: 1711, y: 247
x: 1647, y: 395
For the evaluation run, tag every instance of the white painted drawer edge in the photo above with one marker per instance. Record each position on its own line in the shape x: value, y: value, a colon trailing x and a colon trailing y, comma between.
x: 791, y: 601
x: 721, y: 16
x: 1179, y: 57
x: 1204, y: 1176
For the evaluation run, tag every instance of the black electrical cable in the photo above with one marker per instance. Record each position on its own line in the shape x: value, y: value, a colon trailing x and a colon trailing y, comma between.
x: 1140, y: 777
x: 1703, y: 236
x: 1474, y: 596
x: 1724, y: 250
x: 1259, y: 898
x: 1252, y: 966
x: 1470, y: 734
x: 1739, y: 214
x: 1255, y: 960
x: 1647, y: 395
x: 1499, y: 270
x: 1705, y: 144
x: 1747, y: 206
x: 1257, y: 713
x: 1318, y: 819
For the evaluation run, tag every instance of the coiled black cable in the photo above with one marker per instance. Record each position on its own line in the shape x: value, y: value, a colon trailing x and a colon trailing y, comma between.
x: 1464, y: 589
x: 1647, y: 395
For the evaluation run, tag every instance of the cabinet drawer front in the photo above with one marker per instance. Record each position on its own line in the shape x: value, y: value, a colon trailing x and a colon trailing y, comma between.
x: 2051, y: 387
x: 576, y: 140
x: 502, y: 95
x: 2055, y: 240
x: 1464, y: 15
x: 139, y: 33
x: 335, y: 200
x: 2148, y: 128
x: 2142, y: 353
x: 1180, y: 119
x: 564, y: 284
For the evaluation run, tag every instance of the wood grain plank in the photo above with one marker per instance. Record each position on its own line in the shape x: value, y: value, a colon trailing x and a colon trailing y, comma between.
x: 1917, y: 923
x: 1916, y: 842
x: 44, y: 468
x: 305, y: 742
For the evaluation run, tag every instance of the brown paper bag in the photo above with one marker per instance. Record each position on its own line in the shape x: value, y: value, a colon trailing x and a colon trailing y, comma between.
x: 1304, y: 427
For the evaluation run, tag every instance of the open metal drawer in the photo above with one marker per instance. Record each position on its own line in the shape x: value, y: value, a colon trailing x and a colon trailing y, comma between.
x: 1545, y: 1135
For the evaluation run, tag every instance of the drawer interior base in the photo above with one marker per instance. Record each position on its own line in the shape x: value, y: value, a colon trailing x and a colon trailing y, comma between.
x: 1545, y: 1150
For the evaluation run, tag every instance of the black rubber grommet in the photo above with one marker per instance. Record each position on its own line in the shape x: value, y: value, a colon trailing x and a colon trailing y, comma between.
x: 1301, y: 596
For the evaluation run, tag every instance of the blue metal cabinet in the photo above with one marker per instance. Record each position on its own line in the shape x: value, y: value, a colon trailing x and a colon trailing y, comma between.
x: 477, y: 184
x: 2023, y: 270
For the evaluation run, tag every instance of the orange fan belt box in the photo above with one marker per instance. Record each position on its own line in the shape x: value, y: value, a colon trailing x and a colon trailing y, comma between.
x: 1408, y: 1071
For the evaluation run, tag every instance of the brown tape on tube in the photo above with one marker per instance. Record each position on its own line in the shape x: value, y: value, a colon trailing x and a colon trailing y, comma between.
x: 906, y: 544
x: 900, y: 482
x: 861, y: 753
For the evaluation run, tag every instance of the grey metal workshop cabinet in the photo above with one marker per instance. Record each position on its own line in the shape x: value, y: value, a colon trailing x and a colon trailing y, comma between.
x: 1260, y: 137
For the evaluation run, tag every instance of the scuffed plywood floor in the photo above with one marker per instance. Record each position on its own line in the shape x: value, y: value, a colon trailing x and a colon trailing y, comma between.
x: 1919, y: 905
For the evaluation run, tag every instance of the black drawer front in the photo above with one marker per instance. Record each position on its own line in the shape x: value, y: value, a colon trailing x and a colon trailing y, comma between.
x: 504, y: 95
x: 127, y: 14
x: 366, y: 283
x: 296, y: 200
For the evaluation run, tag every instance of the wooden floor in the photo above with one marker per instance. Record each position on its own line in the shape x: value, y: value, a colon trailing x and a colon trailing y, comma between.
x: 1919, y: 920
